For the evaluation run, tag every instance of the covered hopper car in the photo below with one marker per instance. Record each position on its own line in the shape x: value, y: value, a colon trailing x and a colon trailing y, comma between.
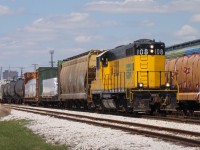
x: 75, y: 77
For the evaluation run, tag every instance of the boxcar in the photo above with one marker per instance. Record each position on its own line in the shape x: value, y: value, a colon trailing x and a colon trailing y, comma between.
x: 41, y: 85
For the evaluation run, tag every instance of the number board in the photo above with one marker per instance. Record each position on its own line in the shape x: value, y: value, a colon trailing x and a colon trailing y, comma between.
x: 145, y: 51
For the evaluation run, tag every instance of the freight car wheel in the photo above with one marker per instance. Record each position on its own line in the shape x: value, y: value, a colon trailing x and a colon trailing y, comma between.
x: 153, y: 109
x: 191, y: 111
x: 185, y: 111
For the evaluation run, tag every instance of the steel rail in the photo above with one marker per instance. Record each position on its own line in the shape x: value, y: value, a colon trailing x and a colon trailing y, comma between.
x: 118, y: 125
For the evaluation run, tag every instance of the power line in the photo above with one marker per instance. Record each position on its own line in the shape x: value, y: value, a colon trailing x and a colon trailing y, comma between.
x: 35, y: 66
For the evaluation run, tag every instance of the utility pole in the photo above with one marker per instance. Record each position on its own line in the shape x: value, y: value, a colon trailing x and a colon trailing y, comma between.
x: 9, y: 78
x: 51, y: 62
x: 35, y: 66
x: 1, y: 73
x: 21, y: 71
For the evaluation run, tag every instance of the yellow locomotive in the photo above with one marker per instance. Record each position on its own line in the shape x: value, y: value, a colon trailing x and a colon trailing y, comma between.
x: 133, y: 78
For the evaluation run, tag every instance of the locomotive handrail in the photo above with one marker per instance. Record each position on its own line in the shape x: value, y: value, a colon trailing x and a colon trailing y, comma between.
x: 160, y: 75
x: 176, y: 82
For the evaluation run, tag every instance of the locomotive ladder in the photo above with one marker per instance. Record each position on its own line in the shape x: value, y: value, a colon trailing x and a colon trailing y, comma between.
x: 143, y: 77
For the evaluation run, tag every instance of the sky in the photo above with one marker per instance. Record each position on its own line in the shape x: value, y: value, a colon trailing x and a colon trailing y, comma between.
x: 29, y: 29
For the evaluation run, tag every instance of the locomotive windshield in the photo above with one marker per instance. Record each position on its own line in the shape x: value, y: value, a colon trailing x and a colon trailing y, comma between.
x: 149, y: 48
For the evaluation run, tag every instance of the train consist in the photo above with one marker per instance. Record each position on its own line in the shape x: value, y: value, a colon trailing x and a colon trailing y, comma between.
x: 127, y: 78
x: 184, y: 61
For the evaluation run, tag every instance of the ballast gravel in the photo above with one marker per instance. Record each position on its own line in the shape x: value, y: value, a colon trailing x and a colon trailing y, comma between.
x: 81, y: 136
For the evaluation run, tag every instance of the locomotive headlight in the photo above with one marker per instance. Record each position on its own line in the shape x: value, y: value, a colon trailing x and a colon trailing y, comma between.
x: 151, y: 51
x: 151, y: 46
x: 140, y: 85
x: 167, y: 85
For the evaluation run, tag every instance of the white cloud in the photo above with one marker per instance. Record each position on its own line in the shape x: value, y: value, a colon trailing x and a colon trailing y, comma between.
x: 56, y: 32
x: 126, y: 6
x: 187, y: 30
x: 148, y: 23
x: 63, y: 23
x: 196, y: 18
x: 4, y: 10
x: 47, y: 29
x: 86, y: 39
x: 55, y: 28
x: 144, y: 6
x: 187, y: 33
x: 185, y: 5
x: 83, y: 39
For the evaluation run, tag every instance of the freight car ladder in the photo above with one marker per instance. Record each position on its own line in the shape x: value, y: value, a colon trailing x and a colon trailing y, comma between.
x: 143, y: 75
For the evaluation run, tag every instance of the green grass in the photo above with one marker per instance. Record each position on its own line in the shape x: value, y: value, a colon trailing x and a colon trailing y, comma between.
x: 15, y: 136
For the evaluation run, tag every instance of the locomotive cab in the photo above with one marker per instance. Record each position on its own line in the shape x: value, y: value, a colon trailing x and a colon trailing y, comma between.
x: 153, y: 85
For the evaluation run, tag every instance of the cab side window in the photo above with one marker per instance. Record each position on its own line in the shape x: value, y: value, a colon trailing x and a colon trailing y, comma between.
x: 104, y: 61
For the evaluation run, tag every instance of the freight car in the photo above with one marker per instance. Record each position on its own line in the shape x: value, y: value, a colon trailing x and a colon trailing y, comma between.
x: 41, y: 86
x: 13, y: 91
x: 184, y: 60
x: 2, y: 85
x: 75, y: 76
x: 133, y: 78
x: 19, y: 91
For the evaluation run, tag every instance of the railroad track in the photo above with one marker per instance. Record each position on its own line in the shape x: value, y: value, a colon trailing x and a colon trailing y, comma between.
x: 181, y: 119
x: 186, y: 138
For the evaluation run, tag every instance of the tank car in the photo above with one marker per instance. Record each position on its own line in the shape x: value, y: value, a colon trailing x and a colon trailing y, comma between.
x: 2, y: 86
x: 133, y: 78
x: 19, y: 91
x: 5, y: 95
x: 75, y: 76
x: 41, y: 86
x: 11, y: 91
x: 183, y: 60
